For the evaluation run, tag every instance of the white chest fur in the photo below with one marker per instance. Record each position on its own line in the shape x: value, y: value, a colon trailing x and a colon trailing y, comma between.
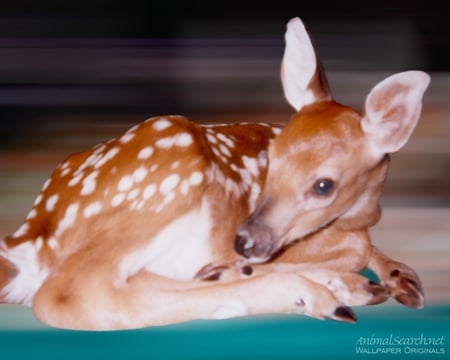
x: 178, y: 251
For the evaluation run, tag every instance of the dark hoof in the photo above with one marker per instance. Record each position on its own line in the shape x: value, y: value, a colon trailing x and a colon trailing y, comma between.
x: 379, y: 293
x: 210, y: 272
x: 344, y: 313
x: 411, y: 294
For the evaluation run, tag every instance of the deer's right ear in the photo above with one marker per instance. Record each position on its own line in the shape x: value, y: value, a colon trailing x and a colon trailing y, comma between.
x: 301, y: 74
x: 393, y: 109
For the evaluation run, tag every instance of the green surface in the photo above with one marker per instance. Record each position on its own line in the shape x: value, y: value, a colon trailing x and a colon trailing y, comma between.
x: 385, y: 332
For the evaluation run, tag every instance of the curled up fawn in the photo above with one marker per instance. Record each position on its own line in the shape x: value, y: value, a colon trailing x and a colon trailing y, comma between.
x: 175, y: 220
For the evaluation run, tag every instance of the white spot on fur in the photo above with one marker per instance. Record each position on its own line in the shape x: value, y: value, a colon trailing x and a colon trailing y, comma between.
x: 89, y: 183
x: 127, y: 137
x: 99, y: 148
x: 65, y: 165
x: 46, y: 184
x: 117, y: 199
x: 137, y: 205
x: 75, y: 179
x: 178, y: 251
x: 251, y: 164
x: 226, y: 140
x: 216, y: 152
x: 149, y: 191
x: 165, y: 143
x: 22, y: 288
x: 90, y: 161
x: 246, y: 178
x: 184, y: 139
x: 169, y: 197
x: 51, y: 202
x: 219, y: 154
x: 21, y: 231
x: 133, y: 194
x: 139, y: 174
x: 184, y: 186
x: 263, y: 159
x: 224, y: 150
x: 32, y: 214
x: 276, y: 131
x: 196, y: 178
x: 169, y: 183
x: 134, y: 128
x: 232, y: 188
x: 52, y: 243
x: 235, y: 168
x: 108, y: 156
x: 211, y: 138
x: 145, y: 153
x: 38, y: 199
x: 92, y: 209
x: 125, y: 183
x: 161, y: 124
x: 39, y: 243
x: 68, y: 220
x: 181, y: 139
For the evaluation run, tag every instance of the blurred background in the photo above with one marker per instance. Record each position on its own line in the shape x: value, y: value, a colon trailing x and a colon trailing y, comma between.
x: 75, y: 73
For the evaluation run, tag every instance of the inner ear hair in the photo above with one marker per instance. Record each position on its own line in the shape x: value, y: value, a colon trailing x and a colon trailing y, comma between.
x: 366, y: 211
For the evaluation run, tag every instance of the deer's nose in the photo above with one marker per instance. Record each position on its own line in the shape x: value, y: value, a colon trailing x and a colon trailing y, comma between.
x: 255, y: 241
x: 242, y: 244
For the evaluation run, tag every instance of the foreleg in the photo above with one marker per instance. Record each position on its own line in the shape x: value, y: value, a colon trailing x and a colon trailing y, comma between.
x: 98, y: 302
x: 401, y: 280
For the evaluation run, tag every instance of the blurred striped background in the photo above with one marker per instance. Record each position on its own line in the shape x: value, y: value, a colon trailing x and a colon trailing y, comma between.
x: 74, y: 74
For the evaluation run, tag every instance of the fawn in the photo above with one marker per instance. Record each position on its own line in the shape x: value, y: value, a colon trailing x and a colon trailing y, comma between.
x: 175, y: 220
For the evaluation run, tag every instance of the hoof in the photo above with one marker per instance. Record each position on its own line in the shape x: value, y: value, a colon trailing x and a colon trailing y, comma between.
x: 343, y: 313
x: 210, y: 272
x: 379, y: 293
x: 411, y: 294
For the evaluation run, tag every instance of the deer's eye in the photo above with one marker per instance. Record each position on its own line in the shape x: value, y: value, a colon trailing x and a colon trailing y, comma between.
x: 323, y: 187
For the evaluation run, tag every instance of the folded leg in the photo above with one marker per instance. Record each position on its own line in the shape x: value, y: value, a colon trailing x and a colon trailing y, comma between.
x: 97, y: 300
x: 351, y: 289
x: 401, y: 280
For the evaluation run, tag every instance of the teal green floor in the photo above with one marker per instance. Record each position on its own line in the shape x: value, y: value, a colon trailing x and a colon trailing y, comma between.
x: 385, y: 332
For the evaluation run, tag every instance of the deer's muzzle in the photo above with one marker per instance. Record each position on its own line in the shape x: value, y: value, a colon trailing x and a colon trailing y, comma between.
x: 255, y: 241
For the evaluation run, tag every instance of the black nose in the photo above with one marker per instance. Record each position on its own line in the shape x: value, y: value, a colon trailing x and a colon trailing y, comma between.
x: 240, y: 245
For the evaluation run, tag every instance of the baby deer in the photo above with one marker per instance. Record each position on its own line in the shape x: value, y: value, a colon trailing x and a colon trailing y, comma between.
x: 128, y: 233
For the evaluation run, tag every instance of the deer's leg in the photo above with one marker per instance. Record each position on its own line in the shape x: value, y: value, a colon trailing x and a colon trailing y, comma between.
x: 91, y: 298
x: 330, y: 248
x: 340, y: 250
x: 347, y: 252
x: 330, y: 257
x: 351, y: 289
x: 402, y: 281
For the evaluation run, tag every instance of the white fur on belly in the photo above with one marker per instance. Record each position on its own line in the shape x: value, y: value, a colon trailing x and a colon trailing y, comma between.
x: 178, y: 251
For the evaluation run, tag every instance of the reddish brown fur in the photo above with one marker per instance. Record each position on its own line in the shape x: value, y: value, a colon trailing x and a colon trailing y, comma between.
x: 197, y: 157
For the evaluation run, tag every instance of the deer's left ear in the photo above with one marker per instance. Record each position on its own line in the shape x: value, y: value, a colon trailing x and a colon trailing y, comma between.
x: 303, y: 80
x: 392, y: 110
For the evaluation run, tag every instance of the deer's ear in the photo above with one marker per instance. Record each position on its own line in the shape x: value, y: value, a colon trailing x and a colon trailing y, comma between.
x: 392, y: 110
x: 301, y: 74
